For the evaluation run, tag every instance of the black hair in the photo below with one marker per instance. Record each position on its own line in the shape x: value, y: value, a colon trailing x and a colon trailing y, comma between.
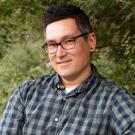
x: 64, y: 11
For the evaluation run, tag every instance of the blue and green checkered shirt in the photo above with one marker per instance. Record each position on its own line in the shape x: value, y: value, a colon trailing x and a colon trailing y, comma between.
x: 96, y: 107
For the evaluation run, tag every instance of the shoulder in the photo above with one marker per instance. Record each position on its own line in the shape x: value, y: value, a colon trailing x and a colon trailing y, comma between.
x: 114, y: 92
x: 29, y: 87
x: 42, y: 80
x: 110, y: 86
x: 119, y: 97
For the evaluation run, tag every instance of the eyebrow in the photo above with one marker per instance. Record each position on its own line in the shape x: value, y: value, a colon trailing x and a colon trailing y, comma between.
x: 63, y: 38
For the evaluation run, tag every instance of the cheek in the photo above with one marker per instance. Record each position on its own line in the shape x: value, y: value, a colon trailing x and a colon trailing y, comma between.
x: 84, y: 55
x: 83, y: 51
x: 51, y: 57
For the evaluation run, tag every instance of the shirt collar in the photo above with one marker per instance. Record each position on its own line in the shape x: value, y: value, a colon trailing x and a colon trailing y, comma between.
x: 84, y: 85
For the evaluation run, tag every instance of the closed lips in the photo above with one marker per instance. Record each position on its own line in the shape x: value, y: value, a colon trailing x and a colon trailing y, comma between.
x: 60, y: 62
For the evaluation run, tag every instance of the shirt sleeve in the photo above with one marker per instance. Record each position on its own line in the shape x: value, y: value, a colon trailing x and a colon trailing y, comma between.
x: 123, y: 113
x: 14, y: 114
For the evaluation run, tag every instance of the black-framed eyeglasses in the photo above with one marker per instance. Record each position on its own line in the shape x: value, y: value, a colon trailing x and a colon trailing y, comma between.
x: 67, y: 44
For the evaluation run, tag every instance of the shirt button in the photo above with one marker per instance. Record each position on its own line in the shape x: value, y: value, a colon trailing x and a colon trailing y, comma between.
x: 64, y: 98
x: 56, y: 119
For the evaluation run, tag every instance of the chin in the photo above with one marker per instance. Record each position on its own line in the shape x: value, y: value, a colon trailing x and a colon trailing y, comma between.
x: 64, y: 74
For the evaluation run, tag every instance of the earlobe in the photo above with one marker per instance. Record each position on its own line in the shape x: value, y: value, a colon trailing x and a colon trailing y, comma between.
x: 91, y: 49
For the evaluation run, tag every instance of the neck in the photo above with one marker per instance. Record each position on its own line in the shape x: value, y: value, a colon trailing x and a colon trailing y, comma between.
x: 77, y: 79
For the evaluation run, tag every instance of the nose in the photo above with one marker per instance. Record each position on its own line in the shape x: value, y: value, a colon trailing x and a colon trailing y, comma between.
x: 60, y: 51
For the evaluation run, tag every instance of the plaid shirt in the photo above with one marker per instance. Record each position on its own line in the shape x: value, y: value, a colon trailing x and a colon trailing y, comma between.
x: 96, y: 107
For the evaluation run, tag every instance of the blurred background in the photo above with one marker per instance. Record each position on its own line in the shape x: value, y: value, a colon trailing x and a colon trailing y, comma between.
x: 21, y: 38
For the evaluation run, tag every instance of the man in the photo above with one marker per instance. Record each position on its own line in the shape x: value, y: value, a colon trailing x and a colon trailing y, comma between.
x: 76, y: 100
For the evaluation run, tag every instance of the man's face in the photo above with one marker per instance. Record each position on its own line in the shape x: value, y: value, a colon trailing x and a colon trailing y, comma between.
x: 69, y: 64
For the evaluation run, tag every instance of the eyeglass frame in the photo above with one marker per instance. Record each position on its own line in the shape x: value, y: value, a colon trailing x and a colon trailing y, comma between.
x: 45, y: 45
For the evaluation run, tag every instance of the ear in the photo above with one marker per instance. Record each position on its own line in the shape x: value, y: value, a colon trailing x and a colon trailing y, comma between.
x: 92, y: 41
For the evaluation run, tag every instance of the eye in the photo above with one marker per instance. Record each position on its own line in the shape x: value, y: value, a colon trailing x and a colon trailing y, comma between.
x: 69, y: 41
x: 51, y: 45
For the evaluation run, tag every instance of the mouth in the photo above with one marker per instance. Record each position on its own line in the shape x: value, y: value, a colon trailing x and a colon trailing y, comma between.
x: 63, y: 62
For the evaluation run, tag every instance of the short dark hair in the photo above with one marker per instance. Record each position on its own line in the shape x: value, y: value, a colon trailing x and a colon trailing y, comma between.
x: 64, y: 11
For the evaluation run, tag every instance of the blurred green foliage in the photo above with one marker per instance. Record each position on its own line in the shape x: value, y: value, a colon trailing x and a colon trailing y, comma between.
x: 21, y: 37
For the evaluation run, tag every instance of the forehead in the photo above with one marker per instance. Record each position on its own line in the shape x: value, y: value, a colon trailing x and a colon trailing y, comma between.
x: 61, y: 28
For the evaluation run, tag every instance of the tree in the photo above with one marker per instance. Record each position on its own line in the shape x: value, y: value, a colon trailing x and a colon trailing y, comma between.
x: 21, y: 34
